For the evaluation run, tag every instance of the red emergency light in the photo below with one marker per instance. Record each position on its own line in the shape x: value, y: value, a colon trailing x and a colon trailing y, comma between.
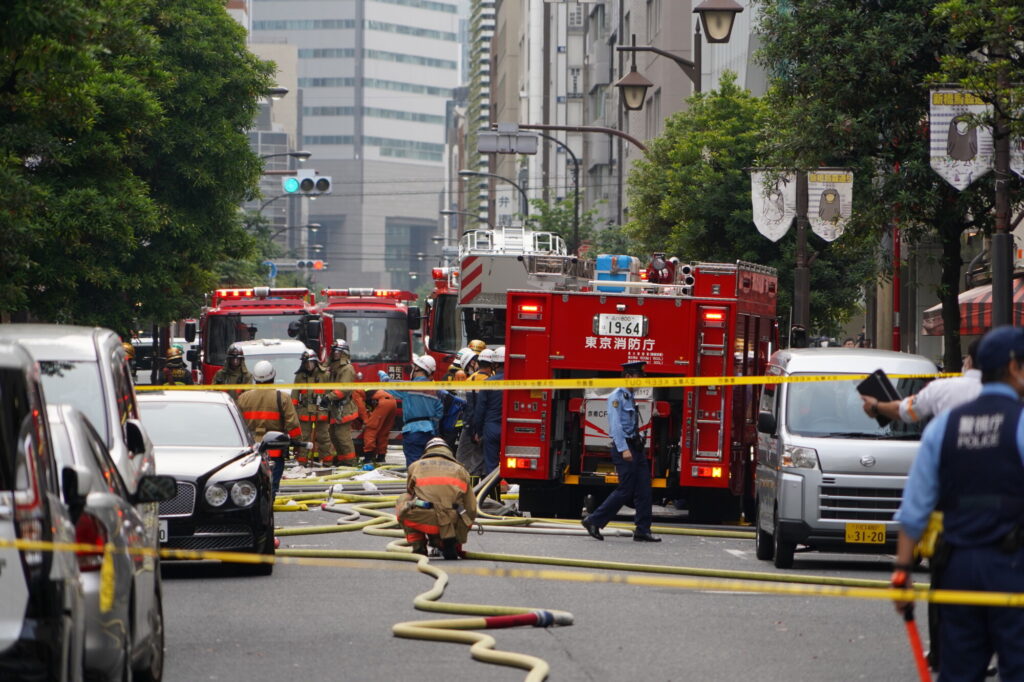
x: 260, y: 292
x: 707, y: 472
x: 714, y: 316
x: 520, y: 463
x: 396, y: 294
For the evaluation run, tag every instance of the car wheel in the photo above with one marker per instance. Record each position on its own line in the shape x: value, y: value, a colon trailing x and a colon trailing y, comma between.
x: 763, y: 541
x: 154, y: 670
x: 264, y: 547
x: 783, y: 550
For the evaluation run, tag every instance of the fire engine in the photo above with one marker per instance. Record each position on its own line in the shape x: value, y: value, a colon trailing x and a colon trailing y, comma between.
x: 254, y: 313
x: 712, y: 319
x: 468, y: 301
x: 378, y: 325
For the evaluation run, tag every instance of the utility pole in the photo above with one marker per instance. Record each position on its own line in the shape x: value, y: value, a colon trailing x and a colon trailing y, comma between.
x: 802, y: 273
x: 1002, y: 240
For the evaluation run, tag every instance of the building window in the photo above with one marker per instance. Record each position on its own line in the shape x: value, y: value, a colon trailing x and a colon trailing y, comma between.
x: 653, y: 18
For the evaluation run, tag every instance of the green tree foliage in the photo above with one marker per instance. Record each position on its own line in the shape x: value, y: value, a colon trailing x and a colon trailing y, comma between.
x: 558, y: 217
x: 123, y: 155
x: 847, y: 91
x: 690, y: 197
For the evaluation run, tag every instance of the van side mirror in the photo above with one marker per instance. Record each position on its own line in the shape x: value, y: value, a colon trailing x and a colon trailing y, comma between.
x: 190, y: 331
x: 766, y: 423
x: 137, y: 440
x: 192, y: 356
x: 75, y: 481
x: 414, y: 317
x: 155, y: 489
x: 313, y: 328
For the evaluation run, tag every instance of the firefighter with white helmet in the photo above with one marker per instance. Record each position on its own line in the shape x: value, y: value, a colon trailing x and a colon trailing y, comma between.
x: 470, y: 451
x: 438, y: 506
x: 313, y: 417
x: 421, y: 410
x: 267, y: 410
x: 485, y: 420
x: 342, y: 406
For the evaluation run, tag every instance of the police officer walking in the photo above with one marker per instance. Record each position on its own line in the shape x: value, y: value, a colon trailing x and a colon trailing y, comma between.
x: 267, y: 410
x: 312, y: 416
x: 234, y: 372
x: 631, y: 464
x: 970, y: 466
x: 342, y: 407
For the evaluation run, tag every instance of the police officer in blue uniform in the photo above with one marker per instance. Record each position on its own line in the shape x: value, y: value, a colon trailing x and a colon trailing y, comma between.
x: 970, y: 466
x: 631, y: 464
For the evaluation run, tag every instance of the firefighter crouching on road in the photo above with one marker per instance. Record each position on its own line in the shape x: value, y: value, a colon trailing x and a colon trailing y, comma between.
x: 234, y: 372
x: 439, y: 506
x: 342, y: 407
x: 421, y: 410
x: 312, y: 416
x: 267, y: 410
x: 383, y: 411
x: 970, y: 465
x: 175, y: 372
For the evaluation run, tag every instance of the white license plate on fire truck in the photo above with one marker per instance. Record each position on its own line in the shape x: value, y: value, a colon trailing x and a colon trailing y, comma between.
x: 620, y: 325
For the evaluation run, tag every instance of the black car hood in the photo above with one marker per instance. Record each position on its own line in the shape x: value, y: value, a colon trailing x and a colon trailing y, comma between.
x: 189, y: 462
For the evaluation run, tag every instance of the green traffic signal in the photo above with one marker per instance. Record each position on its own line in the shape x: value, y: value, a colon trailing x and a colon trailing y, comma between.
x: 290, y: 185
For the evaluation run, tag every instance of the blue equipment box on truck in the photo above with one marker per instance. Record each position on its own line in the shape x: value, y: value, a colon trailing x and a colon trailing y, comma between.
x: 615, y: 268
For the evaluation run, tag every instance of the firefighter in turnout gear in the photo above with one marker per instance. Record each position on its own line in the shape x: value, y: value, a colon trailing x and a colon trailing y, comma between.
x: 175, y: 372
x: 268, y: 410
x: 129, y: 353
x: 383, y: 411
x: 341, y: 405
x: 313, y: 417
x: 234, y: 372
x: 438, y: 506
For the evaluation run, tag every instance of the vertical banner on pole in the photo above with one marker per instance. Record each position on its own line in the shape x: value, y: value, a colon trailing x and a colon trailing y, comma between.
x: 960, y: 151
x: 774, y: 202
x: 829, y: 201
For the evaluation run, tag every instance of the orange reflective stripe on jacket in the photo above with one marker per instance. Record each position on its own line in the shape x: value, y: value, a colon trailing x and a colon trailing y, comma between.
x: 427, y: 528
x: 262, y: 414
x: 441, y: 480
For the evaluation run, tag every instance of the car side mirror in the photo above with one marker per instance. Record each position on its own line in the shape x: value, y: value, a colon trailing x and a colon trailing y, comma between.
x: 414, y: 317
x: 766, y: 423
x: 137, y: 440
x: 155, y: 489
x: 76, y: 481
x: 190, y: 331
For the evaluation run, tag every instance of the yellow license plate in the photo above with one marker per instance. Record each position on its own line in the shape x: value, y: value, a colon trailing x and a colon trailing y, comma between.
x: 866, y: 533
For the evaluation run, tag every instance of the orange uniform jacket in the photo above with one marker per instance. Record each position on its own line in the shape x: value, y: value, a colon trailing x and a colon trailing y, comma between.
x: 438, y: 479
x: 267, y: 410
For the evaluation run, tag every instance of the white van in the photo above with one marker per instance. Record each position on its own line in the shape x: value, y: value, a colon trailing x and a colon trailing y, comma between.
x: 828, y: 476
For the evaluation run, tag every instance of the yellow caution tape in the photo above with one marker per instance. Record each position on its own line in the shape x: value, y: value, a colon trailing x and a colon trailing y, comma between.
x: 107, y: 582
x: 543, y: 384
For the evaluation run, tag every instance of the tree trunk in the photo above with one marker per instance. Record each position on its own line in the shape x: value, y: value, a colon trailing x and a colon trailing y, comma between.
x: 949, y: 229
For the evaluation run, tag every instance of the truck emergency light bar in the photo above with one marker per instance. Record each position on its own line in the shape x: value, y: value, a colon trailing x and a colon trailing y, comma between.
x: 396, y: 294
x: 443, y: 273
x: 260, y: 292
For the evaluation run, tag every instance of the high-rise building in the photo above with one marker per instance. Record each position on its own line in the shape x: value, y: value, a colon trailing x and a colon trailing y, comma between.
x: 374, y: 77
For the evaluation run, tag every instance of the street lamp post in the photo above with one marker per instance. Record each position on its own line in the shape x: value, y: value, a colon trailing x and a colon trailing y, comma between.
x: 575, y: 192
x: 525, y: 201
x: 299, y: 156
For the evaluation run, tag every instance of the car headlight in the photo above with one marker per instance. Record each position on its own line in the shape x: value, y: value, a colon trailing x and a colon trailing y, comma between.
x: 799, y: 458
x: 243, y: 493
x: 216, y: 495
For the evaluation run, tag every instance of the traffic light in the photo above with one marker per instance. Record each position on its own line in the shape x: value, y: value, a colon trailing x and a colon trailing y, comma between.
x: 306, y: 182
x: 311, y: 265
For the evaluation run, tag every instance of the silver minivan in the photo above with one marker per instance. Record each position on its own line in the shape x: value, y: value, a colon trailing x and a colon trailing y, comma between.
x: 829, y: 477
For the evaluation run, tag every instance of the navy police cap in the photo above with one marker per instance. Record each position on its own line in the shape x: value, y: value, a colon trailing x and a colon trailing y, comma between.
x: 999, y: 346
x: 634, y: 366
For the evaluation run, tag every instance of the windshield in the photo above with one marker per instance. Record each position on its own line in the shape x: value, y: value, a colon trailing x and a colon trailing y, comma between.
x: 375, y: 339
x: 834, y: 408
x: 171, y: 422
x: 223, y: 330
x: 444, y: 333
x: 285, y: 365
x: 486, y: 324
x: 77, y: 384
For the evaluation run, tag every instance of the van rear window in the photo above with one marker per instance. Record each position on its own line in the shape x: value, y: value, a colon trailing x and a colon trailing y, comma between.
x: 77, y: 384
x: 14, y: 407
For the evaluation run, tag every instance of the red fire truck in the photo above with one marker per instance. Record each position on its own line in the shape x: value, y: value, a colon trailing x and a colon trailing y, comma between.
x: 468, y: 301
x: 378, y: 325
x: 253, y: 313
x: 555, y: 444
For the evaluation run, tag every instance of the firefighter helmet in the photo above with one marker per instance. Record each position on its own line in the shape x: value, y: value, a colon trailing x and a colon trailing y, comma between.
x: 235, y: 351
x: 477, y: 345
x: 263, y: 372
x: 466, y: 356
x: 499, y: 355
x: 129, y: 350
x: 340, y: 346
x: 174, y: 353
x: 486, y: 355
x: 425, y: 362
x: 309, y: 356
x: 438, y: 446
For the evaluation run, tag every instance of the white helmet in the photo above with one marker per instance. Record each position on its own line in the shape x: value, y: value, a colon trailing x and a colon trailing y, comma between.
x: 499, y: 355
x: 466, y: 356
x: 425, y: 362
x: 263, y: 372
x: 486, y: 355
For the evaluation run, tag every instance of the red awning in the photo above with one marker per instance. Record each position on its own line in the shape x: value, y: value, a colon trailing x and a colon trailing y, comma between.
x: 975, y: 311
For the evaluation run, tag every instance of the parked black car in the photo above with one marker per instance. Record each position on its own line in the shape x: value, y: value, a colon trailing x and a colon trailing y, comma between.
x: 225, y: 498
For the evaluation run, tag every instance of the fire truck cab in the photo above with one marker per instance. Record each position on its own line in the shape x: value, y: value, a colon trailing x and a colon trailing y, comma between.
x: 468, y: 301
x: 719, y: 321
x: 378, y: 325
x: 243, y: 314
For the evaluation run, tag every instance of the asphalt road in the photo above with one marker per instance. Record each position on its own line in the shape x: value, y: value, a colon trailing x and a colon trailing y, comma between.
x: 320, y: 623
